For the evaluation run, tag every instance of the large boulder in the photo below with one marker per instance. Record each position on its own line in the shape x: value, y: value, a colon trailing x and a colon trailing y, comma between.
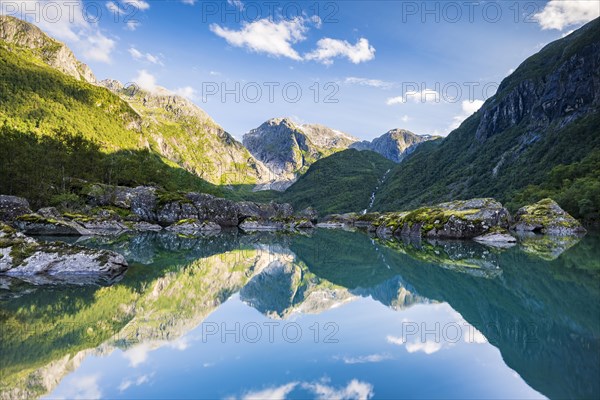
x: 141, y: 200
x: 143, y: 203
x: 461, y: 219
x: 172, y: 212
x: 12, y: 207
x: 210, y: 208
x: 35, y: 224
x: 546, y: 217
x: 264, y: 211
x: 22, y: 256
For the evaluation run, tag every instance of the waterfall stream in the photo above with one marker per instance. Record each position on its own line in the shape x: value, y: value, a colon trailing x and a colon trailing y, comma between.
x: 372, y: 200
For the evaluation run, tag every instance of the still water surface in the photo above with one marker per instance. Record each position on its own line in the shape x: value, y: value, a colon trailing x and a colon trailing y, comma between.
x: 333, y: 314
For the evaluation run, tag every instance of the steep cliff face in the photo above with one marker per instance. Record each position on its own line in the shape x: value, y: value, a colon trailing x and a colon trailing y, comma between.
x: 288, y: 149
x: 394, y: 145
x: 52, y: 52
x: 543, y: 118
x: 556, y: 86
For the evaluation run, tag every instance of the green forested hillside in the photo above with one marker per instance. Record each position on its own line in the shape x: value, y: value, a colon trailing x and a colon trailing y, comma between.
x: 342, y: 182
x: 539, y: 136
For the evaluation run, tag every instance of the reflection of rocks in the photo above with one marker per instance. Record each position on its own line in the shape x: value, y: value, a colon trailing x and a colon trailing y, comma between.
x: 546, y: 247
x: 54, y: 262
x: 460, y: 256
x: 499, y: 240
x: 193, y: 227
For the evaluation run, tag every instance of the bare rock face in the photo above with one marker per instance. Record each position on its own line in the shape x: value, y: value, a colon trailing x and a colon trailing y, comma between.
x: 394, y: 145
x: 288, y: 149
x: 12, y: 207
x: 51, y: 51
x: 546, y: 217
x: 22, y: 256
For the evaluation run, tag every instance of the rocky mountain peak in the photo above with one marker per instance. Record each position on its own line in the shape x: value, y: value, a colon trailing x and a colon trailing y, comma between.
x: 52, y: 52
x: 288, y: 148
x: 395, y: 144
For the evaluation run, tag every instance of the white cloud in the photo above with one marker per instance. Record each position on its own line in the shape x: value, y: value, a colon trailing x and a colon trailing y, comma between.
x: 277, y: 39
x: 98, y: 47
x: 266, y: 36
x: 189, y: 2
x: 83, y: 387
x: 138, y: 55
x: 145, y: 81
x: 559, y: 14
x: 427, y: 347
x: 187, y: 92
x: 405, y: 118
x: 214, y: 73
x: 137, y: 4
x: 395, y: 340
x: 355, y: 390
x: 468, y: 109
x: 371, y: 358
x: 137, y: 355
x: 127, y: 383
x: 114, y: 8
x: 273, y: 393
x: 132, y: 25
x: 236, y: 3
x: 422, y: 96
x: 317, y: 21
x: 328, y: 49
x: 64, y: 20
x: 376, y: 83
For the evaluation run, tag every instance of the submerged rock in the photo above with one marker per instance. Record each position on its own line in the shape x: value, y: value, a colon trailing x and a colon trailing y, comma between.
x: 546, y: 217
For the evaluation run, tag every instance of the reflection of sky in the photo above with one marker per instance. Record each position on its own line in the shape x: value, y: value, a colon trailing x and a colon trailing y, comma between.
x: 378, y: 354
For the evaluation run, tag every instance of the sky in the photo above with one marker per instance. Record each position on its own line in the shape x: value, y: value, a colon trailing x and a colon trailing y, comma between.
x: 362, y: 67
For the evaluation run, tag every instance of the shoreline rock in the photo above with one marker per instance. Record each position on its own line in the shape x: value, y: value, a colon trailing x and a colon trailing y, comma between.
x: 22, y: 256
x: 461, y: 219
x: 546, y: 217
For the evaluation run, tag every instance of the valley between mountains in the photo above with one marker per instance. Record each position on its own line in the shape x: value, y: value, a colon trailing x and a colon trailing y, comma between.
x: 96, y: 157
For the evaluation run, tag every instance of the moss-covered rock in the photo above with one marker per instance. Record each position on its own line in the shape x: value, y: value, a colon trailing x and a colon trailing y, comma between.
x: 546, y: 217
x: 35, y: 224
x: 40, y: 262
x: 461, y: 219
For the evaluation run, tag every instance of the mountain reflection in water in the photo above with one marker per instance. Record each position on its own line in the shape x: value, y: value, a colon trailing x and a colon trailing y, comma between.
x: 537, y: 303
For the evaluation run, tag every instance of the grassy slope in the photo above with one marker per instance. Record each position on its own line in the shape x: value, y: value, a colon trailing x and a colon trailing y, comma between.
x: 342, y: 182
x: 461, y: 167
x: 72, y: 129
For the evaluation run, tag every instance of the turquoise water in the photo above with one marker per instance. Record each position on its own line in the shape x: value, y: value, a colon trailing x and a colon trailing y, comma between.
x: 333, y: 314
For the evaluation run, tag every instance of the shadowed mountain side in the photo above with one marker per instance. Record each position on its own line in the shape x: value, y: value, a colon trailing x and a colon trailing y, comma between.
x: 72, y: 156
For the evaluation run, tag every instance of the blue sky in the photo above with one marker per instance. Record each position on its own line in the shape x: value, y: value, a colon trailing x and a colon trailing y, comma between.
x: 363, y: 67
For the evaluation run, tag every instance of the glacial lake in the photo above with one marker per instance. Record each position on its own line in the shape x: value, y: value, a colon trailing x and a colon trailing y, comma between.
x: 329, y: 314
